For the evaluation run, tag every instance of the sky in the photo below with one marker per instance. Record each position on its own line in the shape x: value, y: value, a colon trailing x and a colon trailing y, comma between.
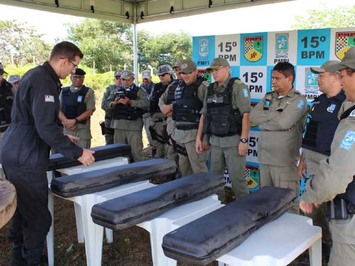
x: 271, y: 17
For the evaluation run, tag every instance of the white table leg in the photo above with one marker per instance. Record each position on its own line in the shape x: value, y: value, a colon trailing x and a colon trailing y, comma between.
x: 109, y: 235
x: 315, y: 253
x: 79, y: 222
x: 93, y: 233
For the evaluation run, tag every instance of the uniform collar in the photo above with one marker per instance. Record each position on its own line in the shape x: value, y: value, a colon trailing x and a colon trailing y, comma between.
x: 225, y: 83
x: 52, y: 73
x: 290, y: 94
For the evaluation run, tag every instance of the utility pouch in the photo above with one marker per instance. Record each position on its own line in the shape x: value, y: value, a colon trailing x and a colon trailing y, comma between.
x: 336, y: 209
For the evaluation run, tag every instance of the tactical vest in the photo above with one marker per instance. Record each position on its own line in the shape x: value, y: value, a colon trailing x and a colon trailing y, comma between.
x: 6, y: 100
x: 171, y: 91
x: 126, y: 112
x: 322, y: 123
x: 158, y: 90
x: 73, y: 103
x: 221, y: 119
x: 108, y: 112
x: 187, y: 105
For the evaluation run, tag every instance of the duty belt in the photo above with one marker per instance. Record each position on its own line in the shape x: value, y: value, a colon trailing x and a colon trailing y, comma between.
x: 159, y: 119
x: 339, y: 209
x: 187, y: 127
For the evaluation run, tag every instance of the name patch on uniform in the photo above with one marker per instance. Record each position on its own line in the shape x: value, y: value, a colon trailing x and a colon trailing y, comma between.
x: 49, y: 98
x: 331, y: 108
x: 300, y: 104
x: 80, y: 98
x: 348, y: 140
x: 245, y: 93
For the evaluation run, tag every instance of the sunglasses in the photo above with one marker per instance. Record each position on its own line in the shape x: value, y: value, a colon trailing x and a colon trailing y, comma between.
x: 162, y: 75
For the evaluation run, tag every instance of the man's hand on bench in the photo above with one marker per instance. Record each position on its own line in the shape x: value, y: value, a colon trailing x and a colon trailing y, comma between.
x: 87, y: 158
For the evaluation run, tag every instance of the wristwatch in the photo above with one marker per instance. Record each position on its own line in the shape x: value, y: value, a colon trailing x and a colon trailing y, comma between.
x: 76, y: 121
x: 244, y: 140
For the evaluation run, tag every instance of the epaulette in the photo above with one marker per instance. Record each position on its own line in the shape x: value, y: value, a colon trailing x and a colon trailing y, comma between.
x: 205, y: 83
x: 238, y: 81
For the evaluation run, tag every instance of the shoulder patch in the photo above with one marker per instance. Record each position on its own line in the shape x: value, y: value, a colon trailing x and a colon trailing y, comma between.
x: 205, y: 82
x: 352, y: 114
x: 245, y: 93
x: 348, y: 140
x: 49, y: 98
x: 300, y: 104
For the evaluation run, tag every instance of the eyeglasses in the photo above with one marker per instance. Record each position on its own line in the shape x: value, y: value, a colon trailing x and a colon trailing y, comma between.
x: 162, y: 75
x: 75, y: 65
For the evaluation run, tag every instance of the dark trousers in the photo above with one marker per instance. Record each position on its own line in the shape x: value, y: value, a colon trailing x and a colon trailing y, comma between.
x: 32, y: 219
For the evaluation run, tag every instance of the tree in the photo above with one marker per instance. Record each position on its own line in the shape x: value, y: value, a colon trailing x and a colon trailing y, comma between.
x: 20, y: 44
x: 108, y: 45
x: 326, y: 18
x: 105, y: 44
x: 165, y: 49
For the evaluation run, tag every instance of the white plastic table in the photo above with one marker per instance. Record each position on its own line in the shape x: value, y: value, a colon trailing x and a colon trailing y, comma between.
x: 278, y: 243
x: 88, y: 231
x: 173, y: 219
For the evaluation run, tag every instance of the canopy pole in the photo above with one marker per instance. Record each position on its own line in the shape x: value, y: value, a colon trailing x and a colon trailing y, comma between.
x: 135, y: 44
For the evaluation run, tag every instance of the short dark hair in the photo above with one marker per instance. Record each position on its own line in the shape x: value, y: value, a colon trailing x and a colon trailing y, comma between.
x: 67, y: 50
x: 286, y: 68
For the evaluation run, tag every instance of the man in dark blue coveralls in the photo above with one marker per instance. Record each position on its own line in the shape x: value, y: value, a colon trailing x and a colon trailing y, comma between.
x: 33, y: 131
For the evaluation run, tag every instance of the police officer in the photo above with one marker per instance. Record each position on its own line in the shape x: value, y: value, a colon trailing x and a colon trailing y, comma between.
x: 158, y: 124
x: 166, y: 106
x: 6, y: 100
x: 77, y: 106
x: 336, y: 173
x: 106, y: 126
x: 128, y: 103
x: 280, y: 115
x: 25, y: 150
x: 147, y: 86
x: 186, y: 109
x: 225, y: 120
x: 15, y: 82
x: 321, y: 125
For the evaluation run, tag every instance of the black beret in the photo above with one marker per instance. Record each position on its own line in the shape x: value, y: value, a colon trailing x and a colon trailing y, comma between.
x: 79, y: 72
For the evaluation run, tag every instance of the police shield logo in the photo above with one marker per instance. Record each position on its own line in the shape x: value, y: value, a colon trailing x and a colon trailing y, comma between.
x: 348, y: 140
x: 311, y: 84
x: 252, y: 177
x: 253, y: 48
x: 343, y: 41
x: 281, y: 45
x: 203, y: 48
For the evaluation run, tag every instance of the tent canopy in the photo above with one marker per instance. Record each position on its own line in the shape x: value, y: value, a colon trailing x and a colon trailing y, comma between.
x: 135, y: 11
